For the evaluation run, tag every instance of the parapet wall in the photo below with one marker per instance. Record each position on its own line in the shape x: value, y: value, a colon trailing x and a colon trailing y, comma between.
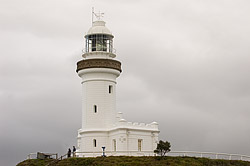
x: 135, y: 125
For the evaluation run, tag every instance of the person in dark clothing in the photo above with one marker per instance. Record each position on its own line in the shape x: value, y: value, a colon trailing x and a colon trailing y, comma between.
x: 69, y: 152
x: 74, y: 151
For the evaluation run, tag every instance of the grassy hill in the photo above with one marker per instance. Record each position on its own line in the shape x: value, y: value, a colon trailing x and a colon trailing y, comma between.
x: 136, y: 161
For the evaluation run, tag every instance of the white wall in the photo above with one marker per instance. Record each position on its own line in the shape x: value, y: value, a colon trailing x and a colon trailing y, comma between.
x: 103, y: 125
x: 87, y: 145
x: 95, y: 89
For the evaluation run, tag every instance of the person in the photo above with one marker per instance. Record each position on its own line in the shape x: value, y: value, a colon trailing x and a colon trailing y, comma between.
x: 69, y: 153
x: 74, y: 151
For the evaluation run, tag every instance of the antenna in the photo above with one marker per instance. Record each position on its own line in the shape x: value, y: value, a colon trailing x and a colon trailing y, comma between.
x: 97, y: 15
x: 92, y: 15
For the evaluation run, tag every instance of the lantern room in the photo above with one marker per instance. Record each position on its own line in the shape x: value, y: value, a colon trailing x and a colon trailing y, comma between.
x: 99, y: 38
x: 99, y: 42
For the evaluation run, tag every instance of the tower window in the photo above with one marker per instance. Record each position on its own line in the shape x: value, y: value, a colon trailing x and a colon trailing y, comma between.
x: 95, y: 108
x: 114, y: 143
x: 110, y: 88
x: 94, y: 142
x: 139, y: 144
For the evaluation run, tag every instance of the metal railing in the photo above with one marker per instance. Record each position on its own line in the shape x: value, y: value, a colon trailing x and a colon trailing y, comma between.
x: 35, y: 155
x: 111, y: 52
x: 30, y: 156
x: 212, y: 155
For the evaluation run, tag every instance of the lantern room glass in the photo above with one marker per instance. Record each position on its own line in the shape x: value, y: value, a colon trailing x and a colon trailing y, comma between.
x: 99, y: 42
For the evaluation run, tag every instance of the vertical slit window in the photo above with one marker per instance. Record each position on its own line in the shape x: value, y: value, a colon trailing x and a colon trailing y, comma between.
x: 114, y: 143
x: 139, y: 144
x: 95, y: 108
x: 94, y: 142
x: 110, y: 88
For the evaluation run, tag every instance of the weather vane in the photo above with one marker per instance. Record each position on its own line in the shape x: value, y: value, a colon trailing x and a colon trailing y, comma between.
x: 98, y: 15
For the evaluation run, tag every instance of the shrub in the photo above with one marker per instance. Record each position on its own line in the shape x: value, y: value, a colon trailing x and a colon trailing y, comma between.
x: 162, y: 148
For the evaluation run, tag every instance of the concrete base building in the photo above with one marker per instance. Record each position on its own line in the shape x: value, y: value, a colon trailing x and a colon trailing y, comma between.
x: 102, y: 126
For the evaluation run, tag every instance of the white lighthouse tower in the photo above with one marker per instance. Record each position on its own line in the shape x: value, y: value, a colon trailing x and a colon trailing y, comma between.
x: 102, y: 126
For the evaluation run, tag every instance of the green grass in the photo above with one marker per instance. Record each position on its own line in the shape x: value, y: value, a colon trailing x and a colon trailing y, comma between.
x: 137, y: 161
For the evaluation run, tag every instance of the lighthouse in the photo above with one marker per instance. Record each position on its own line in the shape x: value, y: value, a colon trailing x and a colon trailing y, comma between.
x: 102, y: 126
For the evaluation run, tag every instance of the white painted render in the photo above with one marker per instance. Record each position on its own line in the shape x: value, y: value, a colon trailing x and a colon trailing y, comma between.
x: 95, y: 92
x: 101, y: 124
x: 99, y: 27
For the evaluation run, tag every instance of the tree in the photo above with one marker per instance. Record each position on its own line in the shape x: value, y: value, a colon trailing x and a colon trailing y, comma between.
x: 162, y: 148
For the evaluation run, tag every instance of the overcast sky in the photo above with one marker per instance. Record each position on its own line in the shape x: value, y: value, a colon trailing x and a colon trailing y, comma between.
x: 185, y: 64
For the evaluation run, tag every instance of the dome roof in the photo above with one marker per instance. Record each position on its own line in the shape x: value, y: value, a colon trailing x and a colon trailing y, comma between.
x: 99, y: 27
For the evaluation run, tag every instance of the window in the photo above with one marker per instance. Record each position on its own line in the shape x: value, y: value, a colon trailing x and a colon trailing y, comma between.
x: 114, y: 144
x: 94, y: 142
x: 139, y: 144
x: 99, y: 42
x: 110, y: 88
x: 95, y: 108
